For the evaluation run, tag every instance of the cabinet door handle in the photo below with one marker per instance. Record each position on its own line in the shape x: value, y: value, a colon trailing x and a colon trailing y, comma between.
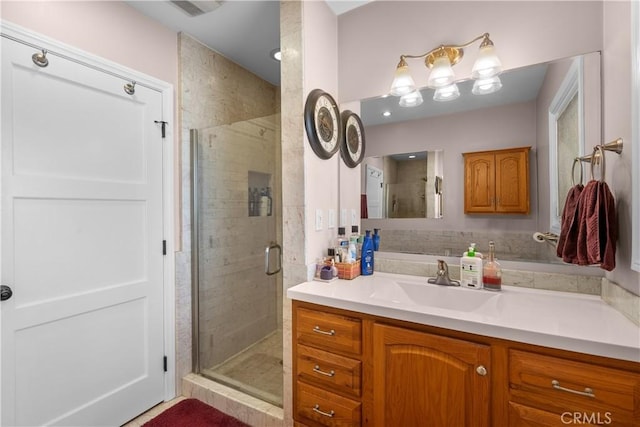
x: 317, y: 370
x: 587, y: 391
x: 320, y: 331
x: 481, y: 370
x: 329, y: 414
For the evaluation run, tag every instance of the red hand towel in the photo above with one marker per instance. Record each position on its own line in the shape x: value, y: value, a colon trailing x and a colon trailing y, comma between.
x: 597, y: 229
x: 566, y: 248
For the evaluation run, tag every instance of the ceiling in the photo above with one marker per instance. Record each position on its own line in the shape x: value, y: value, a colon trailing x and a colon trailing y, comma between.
x: 247, y: 31
x: 242, y: 30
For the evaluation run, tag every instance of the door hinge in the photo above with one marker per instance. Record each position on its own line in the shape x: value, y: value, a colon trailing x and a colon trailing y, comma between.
x: 164, y: 247
x: 164, y: 363
x: 164, y: 126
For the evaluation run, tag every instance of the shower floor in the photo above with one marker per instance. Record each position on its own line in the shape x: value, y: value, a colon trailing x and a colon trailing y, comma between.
x: 256, y: 371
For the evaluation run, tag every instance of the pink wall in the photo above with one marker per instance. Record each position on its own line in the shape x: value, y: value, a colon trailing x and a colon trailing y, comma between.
x: 487, y: 129
x: 373, y: 37
x: 617, y: 123
x: 320, y: 70
x: 114, y: 31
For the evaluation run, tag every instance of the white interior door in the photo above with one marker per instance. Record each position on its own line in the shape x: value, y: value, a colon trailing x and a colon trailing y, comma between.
x: 374, y: 191
x: 81, y: 244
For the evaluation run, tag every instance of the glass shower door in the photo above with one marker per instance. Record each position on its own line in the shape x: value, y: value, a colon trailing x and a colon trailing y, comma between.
x: 238, y: 309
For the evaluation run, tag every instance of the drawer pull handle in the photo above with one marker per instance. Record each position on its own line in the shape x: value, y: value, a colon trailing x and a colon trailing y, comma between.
x: 587, y: 391
x: 326, y: 414
x: 317, y: 370
x: 320, y: 331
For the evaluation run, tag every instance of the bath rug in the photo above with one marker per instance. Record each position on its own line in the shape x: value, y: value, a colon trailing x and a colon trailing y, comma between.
x: 193, y: 413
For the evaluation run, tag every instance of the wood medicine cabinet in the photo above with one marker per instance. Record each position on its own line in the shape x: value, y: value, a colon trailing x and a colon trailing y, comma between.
x: 497, y: 181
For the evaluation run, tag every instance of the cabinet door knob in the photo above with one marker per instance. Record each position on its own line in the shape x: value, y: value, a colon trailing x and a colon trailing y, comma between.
x: 481, y: 370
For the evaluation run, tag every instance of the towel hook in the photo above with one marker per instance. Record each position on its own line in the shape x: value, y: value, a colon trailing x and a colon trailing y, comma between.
x: 597, y: 158
x: 130, y: 88
x: 40, y: 59
x: 573, y: 168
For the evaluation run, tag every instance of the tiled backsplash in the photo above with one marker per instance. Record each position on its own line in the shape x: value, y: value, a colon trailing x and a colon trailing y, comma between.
x: 514, y: 246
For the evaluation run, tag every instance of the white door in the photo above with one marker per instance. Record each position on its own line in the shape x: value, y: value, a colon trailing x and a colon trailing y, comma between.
x: 374, y: 192
x: 81, y: 235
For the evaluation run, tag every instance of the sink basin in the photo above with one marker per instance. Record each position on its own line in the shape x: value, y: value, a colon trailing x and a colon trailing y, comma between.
x: 428, y: 295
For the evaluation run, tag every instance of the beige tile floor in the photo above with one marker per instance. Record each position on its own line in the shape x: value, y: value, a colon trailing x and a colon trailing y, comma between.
x: 256, y: 371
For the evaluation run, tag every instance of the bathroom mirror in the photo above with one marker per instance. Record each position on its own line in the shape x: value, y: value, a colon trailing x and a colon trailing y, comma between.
x: 515, y: 116
x: 405, y: 185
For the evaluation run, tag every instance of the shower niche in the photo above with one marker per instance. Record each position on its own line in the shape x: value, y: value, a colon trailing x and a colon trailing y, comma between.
x: 260, y: 199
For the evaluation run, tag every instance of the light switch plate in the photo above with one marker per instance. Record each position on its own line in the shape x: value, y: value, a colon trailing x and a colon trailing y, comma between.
x: 343, y: 217
x: 319, y: 215
x: 354, y: 217
x: 332, y: 218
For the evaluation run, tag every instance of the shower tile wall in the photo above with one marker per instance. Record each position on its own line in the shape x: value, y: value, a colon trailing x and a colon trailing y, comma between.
x: 213, y: 92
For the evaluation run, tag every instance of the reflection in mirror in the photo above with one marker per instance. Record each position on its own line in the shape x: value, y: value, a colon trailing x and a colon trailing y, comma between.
x: 517, y: 115
x: 407, y: 185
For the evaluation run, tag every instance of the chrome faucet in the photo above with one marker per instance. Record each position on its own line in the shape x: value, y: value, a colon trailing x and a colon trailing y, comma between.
x: 442, y: 276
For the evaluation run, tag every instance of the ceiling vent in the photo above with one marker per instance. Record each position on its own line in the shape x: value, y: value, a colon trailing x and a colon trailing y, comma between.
x: 195, y: 8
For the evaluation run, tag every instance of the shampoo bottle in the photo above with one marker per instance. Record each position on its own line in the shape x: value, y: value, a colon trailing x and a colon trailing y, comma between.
x: 471, y: 269
x: 366, y: 262
x: 376, y: 239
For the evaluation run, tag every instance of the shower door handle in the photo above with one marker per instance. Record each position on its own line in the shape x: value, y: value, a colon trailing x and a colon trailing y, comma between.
x: 267, y: 259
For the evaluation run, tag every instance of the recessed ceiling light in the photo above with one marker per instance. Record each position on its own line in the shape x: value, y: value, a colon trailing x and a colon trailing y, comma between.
x: 412, y: 156
x: 386, y: 113
x: 276, y: 54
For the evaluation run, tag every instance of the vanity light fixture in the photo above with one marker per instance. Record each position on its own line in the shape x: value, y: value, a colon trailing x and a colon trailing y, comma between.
x: 442, y: 78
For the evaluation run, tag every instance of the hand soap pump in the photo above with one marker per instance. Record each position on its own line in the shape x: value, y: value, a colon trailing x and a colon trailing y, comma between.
x: 471, y: 269
x: 366, y: 262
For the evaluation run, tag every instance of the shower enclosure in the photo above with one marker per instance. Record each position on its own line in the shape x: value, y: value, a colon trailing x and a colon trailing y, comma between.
x: 237, y: 287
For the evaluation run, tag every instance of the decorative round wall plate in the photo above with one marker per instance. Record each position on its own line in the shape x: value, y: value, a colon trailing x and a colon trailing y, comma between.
x: 352, y: 146
x: 322, y: 123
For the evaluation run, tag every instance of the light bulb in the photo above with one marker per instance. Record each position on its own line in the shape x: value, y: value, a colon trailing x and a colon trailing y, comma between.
x: 412, y: 99
x: 447, y: 93
x: 402, y: 82
x: 488, y: 64
x: 486, y: 86
x: 441, y: 73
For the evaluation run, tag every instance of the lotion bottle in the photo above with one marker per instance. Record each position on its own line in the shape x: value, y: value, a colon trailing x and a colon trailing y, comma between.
x: 471, y: 269
x: 366, y: 262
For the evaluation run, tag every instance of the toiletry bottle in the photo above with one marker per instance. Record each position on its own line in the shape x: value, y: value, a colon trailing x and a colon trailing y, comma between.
x: 376, y: 239
x: 366, y: 266
x: 342, y: 245
x: 355, y: 233
x: 471, y: 269
x: 492, y: 272
x: 352, y: 252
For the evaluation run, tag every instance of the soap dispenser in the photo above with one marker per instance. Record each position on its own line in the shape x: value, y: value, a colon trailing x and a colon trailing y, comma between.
x: 471, y: 268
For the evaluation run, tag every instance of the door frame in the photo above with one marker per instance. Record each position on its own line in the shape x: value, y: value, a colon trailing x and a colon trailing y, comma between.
x: 67, y: 52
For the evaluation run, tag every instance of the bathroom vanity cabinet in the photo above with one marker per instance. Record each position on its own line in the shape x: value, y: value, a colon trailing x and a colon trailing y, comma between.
x: 497, y: 181
x: 356, y: 369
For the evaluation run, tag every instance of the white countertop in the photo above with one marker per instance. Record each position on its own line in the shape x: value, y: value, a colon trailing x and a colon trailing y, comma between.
x: 568, y: 321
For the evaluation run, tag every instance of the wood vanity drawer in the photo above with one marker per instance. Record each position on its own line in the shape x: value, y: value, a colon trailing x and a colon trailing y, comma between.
x: 561, y: 385
x: 337, y: 373
x: 326, y: 408
x: 329, y: 331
